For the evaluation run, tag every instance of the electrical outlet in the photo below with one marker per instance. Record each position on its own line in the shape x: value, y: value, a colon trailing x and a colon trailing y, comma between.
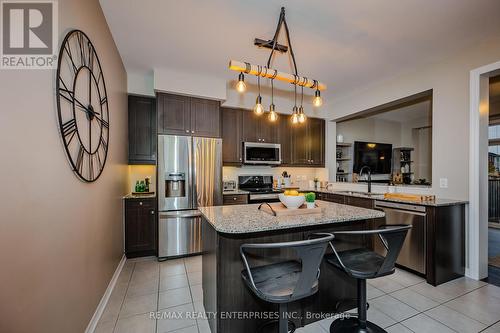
x: 443, y: 182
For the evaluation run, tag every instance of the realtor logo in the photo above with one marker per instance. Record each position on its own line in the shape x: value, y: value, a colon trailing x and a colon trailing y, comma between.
x: 29, y: 34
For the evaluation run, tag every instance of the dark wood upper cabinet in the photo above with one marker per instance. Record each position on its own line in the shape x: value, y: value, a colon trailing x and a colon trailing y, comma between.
x: 301, y: 144
x: 205, y: 117
x: 140, y: 227
x: 141, y: 130
x: 174, y: 116
x: 259, y: 128
x: 182, y: 115
x: 232, y: 136
x: 316, y: 141
x: 285, y: 139
x: 251, y: 124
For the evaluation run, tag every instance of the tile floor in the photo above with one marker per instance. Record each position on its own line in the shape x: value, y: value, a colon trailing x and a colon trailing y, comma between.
x: 400, y: 303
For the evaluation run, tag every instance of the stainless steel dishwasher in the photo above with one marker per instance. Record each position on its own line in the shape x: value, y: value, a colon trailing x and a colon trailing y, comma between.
x: 412, y: 254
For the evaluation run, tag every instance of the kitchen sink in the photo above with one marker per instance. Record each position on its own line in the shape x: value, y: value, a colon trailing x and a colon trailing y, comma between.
x: 361, y: 194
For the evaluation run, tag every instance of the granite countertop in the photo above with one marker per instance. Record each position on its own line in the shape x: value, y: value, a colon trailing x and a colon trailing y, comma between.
x: 235, y: 192
x: 242, y: 219
x: 380, y: 196
x: 139, y: 196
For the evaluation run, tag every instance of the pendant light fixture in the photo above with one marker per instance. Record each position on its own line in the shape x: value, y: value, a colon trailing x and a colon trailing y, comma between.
x: 241, y: 86
x: 273, y: 115
x: 302, y: 115
x: 298, y: 115
x: 317, y: 100
x: 258, y: 108
x: 295, y: 110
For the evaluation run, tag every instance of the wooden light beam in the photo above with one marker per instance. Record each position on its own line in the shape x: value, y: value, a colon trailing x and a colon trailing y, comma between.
x: 269, y: 73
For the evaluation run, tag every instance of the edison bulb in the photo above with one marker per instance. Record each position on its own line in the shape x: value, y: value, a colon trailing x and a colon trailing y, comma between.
x: 241, y: 86
x: 317, y: 101
x: 273, y: 116
x: 295, y: 118
x: 302, y: 117
x: 258, y: 108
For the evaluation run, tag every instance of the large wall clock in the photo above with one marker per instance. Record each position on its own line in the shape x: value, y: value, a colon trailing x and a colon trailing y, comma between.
x: 82, y: 106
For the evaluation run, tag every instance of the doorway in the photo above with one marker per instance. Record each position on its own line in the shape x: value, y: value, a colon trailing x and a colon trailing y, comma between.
x: 479, y: 149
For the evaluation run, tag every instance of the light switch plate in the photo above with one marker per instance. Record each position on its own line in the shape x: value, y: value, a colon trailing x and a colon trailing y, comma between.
x: 443, y: 182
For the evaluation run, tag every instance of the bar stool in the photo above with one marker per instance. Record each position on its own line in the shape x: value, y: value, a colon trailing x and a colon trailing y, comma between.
x: 363, y: 264
x: 286, y: 281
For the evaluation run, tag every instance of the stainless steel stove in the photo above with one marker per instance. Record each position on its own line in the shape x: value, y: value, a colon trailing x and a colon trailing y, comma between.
x: 260, y: 188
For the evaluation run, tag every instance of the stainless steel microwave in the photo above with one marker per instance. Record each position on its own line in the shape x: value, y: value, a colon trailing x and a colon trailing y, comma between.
x: 261, y: 153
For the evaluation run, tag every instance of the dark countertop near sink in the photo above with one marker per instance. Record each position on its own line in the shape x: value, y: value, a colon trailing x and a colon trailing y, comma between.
x: 380, y: 196
x: 139, y: 196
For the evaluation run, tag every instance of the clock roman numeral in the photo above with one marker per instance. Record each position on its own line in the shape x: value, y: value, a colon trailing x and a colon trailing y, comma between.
x: 104, y: 100
x: 67, y: 49
x: 103, y: 122
x: 81, y: 44
x: 79, y: 159
x: 69, y: 129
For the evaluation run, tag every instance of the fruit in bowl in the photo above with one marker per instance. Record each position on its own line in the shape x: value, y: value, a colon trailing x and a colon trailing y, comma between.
x: 293, y: 200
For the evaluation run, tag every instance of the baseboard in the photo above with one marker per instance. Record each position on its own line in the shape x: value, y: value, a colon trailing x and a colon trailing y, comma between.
x: 105, y: 298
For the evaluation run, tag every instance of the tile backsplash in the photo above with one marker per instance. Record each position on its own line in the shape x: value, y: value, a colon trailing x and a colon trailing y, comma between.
x: 300, y: 176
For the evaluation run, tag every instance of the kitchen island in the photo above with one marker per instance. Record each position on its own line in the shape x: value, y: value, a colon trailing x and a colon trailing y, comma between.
x: 225, y: 228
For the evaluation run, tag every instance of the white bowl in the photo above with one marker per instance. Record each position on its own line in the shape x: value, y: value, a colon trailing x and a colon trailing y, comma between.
x: 292, y: 201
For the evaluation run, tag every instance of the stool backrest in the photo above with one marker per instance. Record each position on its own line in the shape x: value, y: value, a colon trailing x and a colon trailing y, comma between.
x: 310, y: 253
x: 392, y: 237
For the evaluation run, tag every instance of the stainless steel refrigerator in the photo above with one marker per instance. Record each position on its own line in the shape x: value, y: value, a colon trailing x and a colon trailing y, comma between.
x: 189, y: 176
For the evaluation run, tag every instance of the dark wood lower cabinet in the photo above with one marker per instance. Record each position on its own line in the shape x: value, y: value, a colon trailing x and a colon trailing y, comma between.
x: 444, y: 236
x: 140, y: 227
x: 234, y: 199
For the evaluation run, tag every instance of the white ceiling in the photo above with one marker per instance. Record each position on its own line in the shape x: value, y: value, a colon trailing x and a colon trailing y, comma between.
x: 419, y: 111
x: 344, y: 43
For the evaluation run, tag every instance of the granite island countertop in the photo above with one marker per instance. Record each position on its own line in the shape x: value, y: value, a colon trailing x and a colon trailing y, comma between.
x: 243, y: 219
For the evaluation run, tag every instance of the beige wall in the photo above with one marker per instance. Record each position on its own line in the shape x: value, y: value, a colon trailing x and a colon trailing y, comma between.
x: 60, y: 239
x: 450, y: 133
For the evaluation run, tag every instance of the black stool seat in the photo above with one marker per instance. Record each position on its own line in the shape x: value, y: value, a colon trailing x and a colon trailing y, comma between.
x: 276, y: 282
x: 361, y: 262
x: 285, y: 281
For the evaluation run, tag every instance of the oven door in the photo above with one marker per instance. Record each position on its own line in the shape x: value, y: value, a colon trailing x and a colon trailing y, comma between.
x: 262, y: 153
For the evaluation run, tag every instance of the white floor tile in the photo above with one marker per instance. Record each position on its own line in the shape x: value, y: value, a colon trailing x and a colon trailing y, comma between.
x: 455, y: 320
x: 173, y: 282
x: 479, y: 305
x: 398, y: 328
x: 197, y: 292
x: 372, y: 292
x: 138, y: 305
x: 195, y: 278
x: 493, y: 329
x: 105, y: 326
x: 135, y: 324
x: 173, y: 324
x: 174, y: 297
x: 393, y: 308
x: 414, y: 299
x: 425, y: 324
x: 172, y: 267
x: 385, y: 284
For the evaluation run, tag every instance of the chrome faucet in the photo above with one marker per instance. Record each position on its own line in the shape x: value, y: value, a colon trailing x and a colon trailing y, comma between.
x: 369, y: 177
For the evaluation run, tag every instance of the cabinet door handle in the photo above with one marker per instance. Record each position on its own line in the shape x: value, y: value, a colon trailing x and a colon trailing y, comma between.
x: 263, y: 140
x: 187, y: 131
x: 192, y: 132
x: 234, y: 198
x: 152, y: 212
x: 140, y: 203
x: 240, y: 159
